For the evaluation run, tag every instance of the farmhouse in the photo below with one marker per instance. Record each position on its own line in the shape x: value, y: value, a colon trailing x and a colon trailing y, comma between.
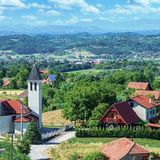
x: 120, y: 113
x: 139, y: 85
x: 50, y: 79
x: 154, y: 94
x: 13, y: 113
x: 124, y: 149
x: 132, y: 111
x: 144, y: 107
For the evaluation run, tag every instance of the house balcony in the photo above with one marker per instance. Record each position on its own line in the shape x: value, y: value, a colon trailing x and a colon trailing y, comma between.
x: 112, y: 120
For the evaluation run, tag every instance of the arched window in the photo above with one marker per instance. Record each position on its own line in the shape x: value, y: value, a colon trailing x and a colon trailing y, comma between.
x: 35, y: 86
x: 31, y: 86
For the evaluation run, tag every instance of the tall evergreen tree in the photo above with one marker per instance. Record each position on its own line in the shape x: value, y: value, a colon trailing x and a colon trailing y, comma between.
x: 33, y: 134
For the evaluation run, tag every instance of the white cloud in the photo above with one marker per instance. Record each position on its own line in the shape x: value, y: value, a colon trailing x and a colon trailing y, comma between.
x: 76, y: 3
x: 134, y: 9
x: 53, y: 13
x: 144, y: 2
x: 12, y: 3
x: 39, y: 6
x: 29, y: 17
x: 73, y: 20
x: 3, y: 18
x: 86, y: 20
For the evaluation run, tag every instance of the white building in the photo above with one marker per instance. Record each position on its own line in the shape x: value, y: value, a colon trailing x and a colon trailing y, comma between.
x: 35, y: 93
x: 15, y: 116
x: 144, y: 107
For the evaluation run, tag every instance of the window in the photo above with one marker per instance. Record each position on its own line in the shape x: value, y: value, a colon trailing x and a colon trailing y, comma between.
x: 150, y: 112
x: 35, y: 86
x: 31, y: 86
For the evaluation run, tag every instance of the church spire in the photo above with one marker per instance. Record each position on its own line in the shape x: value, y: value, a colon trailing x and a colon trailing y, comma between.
x: 34, y: 74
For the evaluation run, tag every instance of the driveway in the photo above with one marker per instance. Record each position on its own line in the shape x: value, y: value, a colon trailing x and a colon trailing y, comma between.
x: 37, y: 151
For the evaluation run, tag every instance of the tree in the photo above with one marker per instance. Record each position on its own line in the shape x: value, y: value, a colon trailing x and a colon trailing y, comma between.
x: 13, y: 84
x: 95, y: 156
x: 1, y: 82
x: 24, y: 146
x: 80, y: 101
x: 33, y: 134
x: 97, y: 114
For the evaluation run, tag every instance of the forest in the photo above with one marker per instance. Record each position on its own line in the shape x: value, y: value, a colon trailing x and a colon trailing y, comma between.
x: 109, y: 43
x: 84, y: 97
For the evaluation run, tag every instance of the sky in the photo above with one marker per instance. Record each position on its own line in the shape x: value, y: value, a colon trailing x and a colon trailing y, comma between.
x: 104, y: 14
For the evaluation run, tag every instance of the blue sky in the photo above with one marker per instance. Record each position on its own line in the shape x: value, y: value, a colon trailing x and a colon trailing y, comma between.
x: 104, y: 14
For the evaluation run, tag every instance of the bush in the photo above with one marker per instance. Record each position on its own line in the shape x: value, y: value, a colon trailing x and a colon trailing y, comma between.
x: 33, y: 134
x: 74, y: 157
x: 24, y: 146
x: 95, y: 156
x: 129, y: 132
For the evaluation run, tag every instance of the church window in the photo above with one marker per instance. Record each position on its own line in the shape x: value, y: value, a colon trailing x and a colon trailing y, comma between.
x: 35, y: 86
x: 31, y: 86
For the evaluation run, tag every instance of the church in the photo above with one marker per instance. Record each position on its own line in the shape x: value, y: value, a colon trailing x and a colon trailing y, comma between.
x: 14, y: 116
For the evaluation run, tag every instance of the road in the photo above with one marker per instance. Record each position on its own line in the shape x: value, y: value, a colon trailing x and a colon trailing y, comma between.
x: 37, y: 151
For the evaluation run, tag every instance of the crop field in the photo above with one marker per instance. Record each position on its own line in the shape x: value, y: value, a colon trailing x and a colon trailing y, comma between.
x: 9, y: 94
x: 54, y: 119
x: 83, y: 146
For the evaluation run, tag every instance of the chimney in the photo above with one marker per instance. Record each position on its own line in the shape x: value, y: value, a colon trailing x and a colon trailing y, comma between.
x: 150, y: 100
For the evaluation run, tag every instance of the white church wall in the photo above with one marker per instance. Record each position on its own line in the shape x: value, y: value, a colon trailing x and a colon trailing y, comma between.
x: 5, y: 124
x: 18, y: 127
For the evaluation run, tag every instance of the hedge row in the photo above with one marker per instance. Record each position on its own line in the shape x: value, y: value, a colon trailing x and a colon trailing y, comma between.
x: 136, y: 132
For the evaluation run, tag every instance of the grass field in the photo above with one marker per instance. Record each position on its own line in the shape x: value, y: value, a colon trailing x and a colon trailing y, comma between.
x: 9, y: 94
x: 87, y: 71
x: 83, y: 146
x: 54, y: 118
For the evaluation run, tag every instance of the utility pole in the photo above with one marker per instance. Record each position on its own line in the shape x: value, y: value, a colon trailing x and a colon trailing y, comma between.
x: 21, y: 120
x: 12, y: 138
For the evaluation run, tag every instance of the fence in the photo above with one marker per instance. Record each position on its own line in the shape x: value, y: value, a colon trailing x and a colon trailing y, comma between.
x: 49, y: 135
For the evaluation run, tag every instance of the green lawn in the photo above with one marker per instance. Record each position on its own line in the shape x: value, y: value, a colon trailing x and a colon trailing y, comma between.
x: 88, y: 71
x: 142, y: 141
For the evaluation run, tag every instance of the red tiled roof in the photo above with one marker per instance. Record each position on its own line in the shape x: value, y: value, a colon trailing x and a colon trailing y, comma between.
x: 156, y: 94
x: 6, y: 82
x: 119, y: 148
x: 44, y: 81
x: 125, y: 111
x: 144, y: 101
x: 17, y: 106
x: 5, y: 108
x: 44, y: 71
x: 138, y: 85
x: 26, y: 119
x: 153, y: 125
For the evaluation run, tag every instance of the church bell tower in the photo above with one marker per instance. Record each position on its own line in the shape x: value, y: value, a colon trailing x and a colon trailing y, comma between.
x: 35, y: 93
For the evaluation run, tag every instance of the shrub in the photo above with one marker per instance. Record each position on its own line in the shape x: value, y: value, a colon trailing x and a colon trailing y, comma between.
x: 134, y: 132
x: 95, y: 156
x: 74, y: 157
x: 33, y: 134
x: 24, y: 146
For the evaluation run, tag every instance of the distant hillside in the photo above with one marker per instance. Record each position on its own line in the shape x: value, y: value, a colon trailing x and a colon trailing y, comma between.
x: 109, y: 43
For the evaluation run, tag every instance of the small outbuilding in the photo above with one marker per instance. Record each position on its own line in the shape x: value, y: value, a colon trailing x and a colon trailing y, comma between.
x: 124, y: 149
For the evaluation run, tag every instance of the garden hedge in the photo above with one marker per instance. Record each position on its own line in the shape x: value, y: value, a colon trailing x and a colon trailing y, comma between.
x: 129, y: 132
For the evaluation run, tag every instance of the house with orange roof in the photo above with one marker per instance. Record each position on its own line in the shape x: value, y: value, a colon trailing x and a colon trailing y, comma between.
x: 6, y: 82
x: 124, y: 149
x: 139, y: 85
x: 144, y: 107
x: 155, y: 94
